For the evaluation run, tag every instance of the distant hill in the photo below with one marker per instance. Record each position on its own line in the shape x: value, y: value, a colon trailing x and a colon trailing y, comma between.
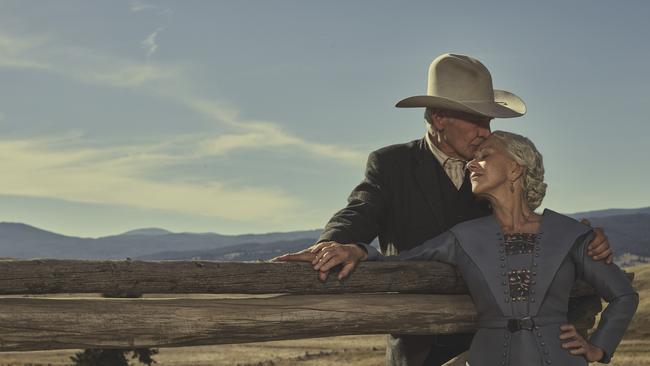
x: 627, y: 229
x: 153, y: 231
x: 24, y: 241
x: 629, y: 233
x: 239, y: 252
x: 610, y: 212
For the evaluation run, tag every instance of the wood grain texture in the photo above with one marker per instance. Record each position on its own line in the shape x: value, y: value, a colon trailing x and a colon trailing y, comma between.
x: 41, y: 323
x: 50, y: 276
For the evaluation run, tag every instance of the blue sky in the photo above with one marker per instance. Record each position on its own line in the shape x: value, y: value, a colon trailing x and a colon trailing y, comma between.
x: 257, y: 116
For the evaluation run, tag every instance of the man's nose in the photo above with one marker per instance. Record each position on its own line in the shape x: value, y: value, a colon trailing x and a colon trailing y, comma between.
x: 484, y: 131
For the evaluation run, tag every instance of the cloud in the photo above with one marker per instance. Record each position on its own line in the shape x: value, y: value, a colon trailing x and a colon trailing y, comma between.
x: 41, y: 168
x: 94, y: 67
x: 149, y: 43
x: 11, y: 46
x: 272, y: 137
x: 59, y: 167
x: 137, y: 6
x: 88, y: 66
x: 13, y: 51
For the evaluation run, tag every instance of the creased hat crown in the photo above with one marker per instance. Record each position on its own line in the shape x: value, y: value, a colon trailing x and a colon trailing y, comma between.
x: 460, y: 77
x: 462, y: 83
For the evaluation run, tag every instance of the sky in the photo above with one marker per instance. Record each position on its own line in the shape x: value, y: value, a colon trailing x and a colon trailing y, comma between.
x: 258, y: 116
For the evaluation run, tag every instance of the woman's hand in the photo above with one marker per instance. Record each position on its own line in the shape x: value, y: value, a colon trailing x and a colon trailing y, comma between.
x: 577, y: 345
x: 306, y: 255
x: 302, y: 256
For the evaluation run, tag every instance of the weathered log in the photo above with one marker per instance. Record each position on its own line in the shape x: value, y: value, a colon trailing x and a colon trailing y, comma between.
x: 51, y: 276
x: 41, y: 323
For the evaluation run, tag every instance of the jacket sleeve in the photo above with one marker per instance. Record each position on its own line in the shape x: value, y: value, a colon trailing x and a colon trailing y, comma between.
x: 366, y: 210
x: 610, y: 283
x: 442, y: 248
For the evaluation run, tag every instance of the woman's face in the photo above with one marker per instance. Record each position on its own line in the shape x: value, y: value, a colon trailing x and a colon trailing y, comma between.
x: 491, y: 168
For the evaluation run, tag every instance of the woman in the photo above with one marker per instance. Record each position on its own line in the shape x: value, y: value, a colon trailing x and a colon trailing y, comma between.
x: 519, y: 266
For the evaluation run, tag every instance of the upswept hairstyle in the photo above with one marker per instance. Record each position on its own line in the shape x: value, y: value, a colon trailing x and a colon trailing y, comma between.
x: 524, y: 152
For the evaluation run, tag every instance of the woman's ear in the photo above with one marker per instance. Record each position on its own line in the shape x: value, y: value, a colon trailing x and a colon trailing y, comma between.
x: 517, y: 171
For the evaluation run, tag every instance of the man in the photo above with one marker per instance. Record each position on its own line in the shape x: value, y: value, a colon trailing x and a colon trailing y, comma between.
x: 414, y: 191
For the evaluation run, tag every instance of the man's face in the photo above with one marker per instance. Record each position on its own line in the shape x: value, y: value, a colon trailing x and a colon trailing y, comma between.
x: 465, y: 132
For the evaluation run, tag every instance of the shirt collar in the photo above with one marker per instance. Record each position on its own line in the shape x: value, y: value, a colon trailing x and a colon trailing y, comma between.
x: 439, y: 154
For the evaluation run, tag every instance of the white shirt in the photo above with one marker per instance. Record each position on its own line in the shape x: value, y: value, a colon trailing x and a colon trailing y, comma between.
x: 453, y: 167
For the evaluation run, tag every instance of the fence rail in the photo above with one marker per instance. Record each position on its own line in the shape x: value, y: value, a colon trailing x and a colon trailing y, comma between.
x: 53, y: 276
x: 398, y: 297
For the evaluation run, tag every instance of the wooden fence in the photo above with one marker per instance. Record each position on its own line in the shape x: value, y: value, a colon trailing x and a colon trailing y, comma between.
x: 279, y: 301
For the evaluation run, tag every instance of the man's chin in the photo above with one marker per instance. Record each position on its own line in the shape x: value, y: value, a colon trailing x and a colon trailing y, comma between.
x: 469, y: 155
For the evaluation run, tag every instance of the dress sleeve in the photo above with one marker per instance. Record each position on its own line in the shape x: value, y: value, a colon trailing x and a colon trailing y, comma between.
x: 610, y: 283
x: 442, y: 248
x: 365, y: 212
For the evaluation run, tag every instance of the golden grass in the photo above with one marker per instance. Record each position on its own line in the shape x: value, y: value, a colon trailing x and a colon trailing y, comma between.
x: 640, y: 327
x: 349, y: 350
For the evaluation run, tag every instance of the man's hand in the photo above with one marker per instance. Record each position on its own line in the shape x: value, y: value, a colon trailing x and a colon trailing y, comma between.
x: 577, y: 345
x: 333, y: 254
x: 599, y: 248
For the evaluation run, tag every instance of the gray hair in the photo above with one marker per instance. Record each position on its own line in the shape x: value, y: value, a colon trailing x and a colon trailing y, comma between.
x: 428, y: 120
x: 428, y: 111
x: 524, y: 152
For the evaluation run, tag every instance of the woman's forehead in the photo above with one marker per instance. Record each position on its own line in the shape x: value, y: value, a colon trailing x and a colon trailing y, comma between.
x: 487, y: 144
x: 491, y: 144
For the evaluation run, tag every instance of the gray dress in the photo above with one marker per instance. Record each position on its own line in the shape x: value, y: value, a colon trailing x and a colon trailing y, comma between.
x: 521, y: 288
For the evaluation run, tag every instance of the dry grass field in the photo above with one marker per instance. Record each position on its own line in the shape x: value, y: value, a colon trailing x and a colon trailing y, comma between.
x: 349, y: 350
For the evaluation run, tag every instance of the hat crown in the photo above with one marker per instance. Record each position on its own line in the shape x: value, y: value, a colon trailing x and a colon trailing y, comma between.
x: 461, y: 78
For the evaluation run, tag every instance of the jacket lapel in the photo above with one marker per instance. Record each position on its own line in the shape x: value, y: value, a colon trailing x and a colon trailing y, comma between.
x: 480, y: 240
x: 428, y: 183
x: 558, y: 234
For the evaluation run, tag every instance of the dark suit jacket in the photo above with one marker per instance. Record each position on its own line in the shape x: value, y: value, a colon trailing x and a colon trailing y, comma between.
x: 401, y: 200
x: 405, y: 199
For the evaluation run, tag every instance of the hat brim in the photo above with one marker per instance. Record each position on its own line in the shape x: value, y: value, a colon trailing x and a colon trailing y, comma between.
x: 505, y: 105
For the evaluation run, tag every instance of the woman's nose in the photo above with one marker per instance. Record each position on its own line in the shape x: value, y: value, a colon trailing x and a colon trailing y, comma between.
x: 473, y: 165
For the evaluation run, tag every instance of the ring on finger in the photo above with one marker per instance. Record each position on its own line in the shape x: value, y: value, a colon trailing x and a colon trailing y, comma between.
x: 325, y: 254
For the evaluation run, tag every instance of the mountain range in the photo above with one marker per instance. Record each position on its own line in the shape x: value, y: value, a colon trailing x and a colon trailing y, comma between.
x: 627, y: 229
x: 23, y: 241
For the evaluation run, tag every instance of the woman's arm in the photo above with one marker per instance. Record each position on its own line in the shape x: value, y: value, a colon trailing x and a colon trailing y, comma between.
x: 611, y: 284
x: 442, y: 248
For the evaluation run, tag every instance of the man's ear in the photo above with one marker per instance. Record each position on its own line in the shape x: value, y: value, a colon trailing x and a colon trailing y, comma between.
x: 438, y: 121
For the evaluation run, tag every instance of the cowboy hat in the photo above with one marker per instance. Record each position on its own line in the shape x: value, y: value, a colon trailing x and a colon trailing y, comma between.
x: 462, y: 83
